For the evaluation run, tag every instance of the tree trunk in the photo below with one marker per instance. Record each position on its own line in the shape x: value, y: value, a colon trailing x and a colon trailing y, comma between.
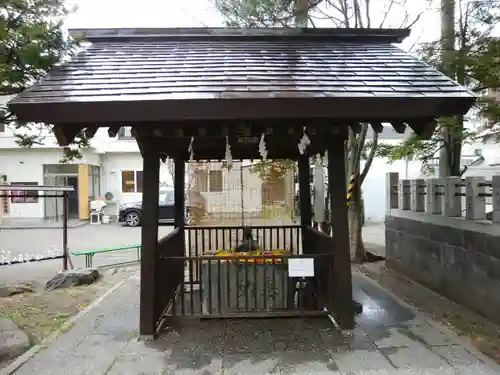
x: 301, y: 13
x: 355, y: 215
x: 446, y: 158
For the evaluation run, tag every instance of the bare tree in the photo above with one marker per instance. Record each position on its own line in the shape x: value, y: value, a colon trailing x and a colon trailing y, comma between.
x: 332, y: 13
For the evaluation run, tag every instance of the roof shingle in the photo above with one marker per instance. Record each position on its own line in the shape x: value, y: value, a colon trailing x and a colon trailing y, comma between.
x: 176, y: 70
x: 143, y: 76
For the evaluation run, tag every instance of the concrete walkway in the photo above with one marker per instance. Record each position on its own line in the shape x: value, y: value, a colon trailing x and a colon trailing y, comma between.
x: 391, y: 338
x: 374, y: 238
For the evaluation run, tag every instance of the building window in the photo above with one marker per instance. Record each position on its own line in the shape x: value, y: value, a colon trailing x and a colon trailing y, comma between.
x: 125, y: 132
x: 478, y: 152
x: 208, y: 181
x: 215, y: 181
x: 94, y: 182
x: 24, y: 196
x: 131, y: 181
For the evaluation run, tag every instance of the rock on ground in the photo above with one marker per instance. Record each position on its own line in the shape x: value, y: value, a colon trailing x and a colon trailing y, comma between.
x: 66, y: 279
x: 13, y: 341
x: 12, y: 289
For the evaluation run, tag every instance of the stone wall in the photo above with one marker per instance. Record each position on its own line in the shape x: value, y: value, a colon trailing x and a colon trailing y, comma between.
x: 457, y: 258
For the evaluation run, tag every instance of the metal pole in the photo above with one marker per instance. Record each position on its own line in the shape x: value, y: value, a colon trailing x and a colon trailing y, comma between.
x: 65, y: 230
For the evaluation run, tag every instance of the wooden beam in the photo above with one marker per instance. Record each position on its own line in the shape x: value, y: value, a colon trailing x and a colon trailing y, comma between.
x: 424, y: 129
x: 341, y: 278
x: 356, y: 127
x: 377, y: 126
x: 113, y: 130
x: 90, y: 131
x: 149, y: 243
x: 65, y: 134
x: 399, y: 126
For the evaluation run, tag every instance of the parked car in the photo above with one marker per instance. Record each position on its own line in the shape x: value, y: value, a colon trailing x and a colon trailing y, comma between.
x: 131, y: 213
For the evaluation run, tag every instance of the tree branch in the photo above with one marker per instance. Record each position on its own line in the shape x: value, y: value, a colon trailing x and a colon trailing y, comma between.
x: 369, y: 159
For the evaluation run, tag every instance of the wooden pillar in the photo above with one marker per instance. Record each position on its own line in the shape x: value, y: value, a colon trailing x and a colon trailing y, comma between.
x: 149, y: 242
x: 341, y: 277
x: 180, y: 201
x: 304, y: 197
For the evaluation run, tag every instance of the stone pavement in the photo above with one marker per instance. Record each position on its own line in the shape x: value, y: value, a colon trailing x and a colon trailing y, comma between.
x: 81, y: 238
x: 390, y: 338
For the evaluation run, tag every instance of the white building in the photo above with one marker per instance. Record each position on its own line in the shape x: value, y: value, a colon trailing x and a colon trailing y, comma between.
x: 114, y: 165
x: 110, y: 165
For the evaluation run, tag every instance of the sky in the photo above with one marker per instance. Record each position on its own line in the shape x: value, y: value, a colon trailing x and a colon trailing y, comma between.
x: 202, y: 13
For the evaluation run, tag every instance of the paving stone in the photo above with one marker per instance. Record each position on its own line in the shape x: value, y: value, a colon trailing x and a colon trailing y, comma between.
x: 136, y: 347
x: 251, y: 364
x: 210, y: 366
x: 392, y: 337
x: 302, y: 362
x: 150, y: 364
x: 76, y: 364
x: 98, y: 343
x: 457, y: 355
x: 476, y: 370
x: 354, y: 362
x: 414, y: 357
x: 430, y: 335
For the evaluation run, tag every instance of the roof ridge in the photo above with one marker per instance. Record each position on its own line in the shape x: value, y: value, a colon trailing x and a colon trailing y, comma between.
x: 258, y: 34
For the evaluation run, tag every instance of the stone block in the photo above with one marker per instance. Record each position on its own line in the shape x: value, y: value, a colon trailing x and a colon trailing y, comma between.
x: 456, y: 259
x: 67, y: 279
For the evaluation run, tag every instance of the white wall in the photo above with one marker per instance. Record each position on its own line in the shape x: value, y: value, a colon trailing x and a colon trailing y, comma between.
x: 26, y: 165
x: 114, y: 163
x: 375, y: 184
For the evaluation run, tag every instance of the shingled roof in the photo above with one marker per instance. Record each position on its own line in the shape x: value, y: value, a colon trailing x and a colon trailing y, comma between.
x: 160, y: 75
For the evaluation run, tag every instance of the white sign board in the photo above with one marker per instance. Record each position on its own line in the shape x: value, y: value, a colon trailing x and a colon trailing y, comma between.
x: 301, y: 267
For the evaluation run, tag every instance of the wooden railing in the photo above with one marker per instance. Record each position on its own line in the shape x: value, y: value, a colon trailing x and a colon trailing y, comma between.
x: 316, y: 243
x: 246, y: 286
x: 202, y: 239
x: 169, y: 273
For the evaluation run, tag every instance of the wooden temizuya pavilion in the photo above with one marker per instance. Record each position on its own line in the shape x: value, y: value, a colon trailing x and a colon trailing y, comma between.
x: 187, y: 93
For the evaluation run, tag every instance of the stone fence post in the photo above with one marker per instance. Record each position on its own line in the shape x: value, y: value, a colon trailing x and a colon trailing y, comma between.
x: 475, y: 201
x: 392, y: 191
x: 404, y: 195
x: 495, y: 198
x: 417, y: 188
x: 433, y: 197
x: 452, y: 201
